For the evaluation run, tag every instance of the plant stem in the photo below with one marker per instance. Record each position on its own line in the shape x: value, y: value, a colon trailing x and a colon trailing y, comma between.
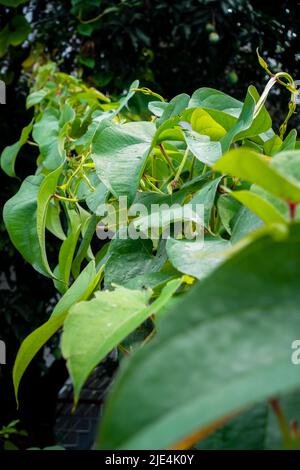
x: 67, y: 199
x: 88, y: 181
x: 192, y: 167
x: 180, y: 168
x: 157, y: 190
x: 170, y: 163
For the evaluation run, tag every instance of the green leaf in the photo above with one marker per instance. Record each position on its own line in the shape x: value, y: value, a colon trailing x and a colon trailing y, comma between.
x: 45, y: 193
x: 19, y: 216
x: 247, y: 125
x: 87, y: 61
x: 197, y: 258
x: 228, y: 210
x: 12, y: 3
x: 120, y: 153
x: 65, y: 258
x: 260, y: 206
x: 97, y: 198
x: 159, y: 221
x: 202, y: 147
x: 50, y: 138
x: 157, y: 107
x: 94, y: 328
x: 256, y: 168
x: 84, y: 246
x: 204, y: 124
x: 123, y: 102
x: 272, y: 145
x: 256, y: 428
x: 214, y: 99
x: 289, y: 142
x: 81, y: 289
x: 174, y: 108
x: 288, y: 164
x: 53, y: 222
x: 9, y: 154
x: 233, y: 330
x: 245, y: 223
x: 19, y: 30
x: 128, y: 259
x: 247, y: 431
x: 206, y: 196
x: 35, y: 98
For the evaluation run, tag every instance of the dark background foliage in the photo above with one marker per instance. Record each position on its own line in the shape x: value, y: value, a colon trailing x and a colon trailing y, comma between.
x: 171, y: 47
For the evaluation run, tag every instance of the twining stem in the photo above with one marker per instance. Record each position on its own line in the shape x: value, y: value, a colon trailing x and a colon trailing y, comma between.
x: 169, y: 161
x: 282, y: 129
x: 192, y: 167
x: 67, y: 199
x: 91, y: 20
x: 149, y: 92
x: 88, y: 165
x: 149, y: 337
x: 92, y: 188
x: 289, y: 85
x: 180, y: 168
x: 282, y: 421
x: 152, y: 185
x: 167, y: 181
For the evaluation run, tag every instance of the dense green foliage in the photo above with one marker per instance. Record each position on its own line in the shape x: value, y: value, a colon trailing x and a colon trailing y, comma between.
x: 217, y: 306
x: 172, y: 47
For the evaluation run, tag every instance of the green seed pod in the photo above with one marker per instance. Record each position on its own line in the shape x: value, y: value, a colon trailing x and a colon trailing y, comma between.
x: 213, y: 38
x: 232, y: 77
x: 209, y: 27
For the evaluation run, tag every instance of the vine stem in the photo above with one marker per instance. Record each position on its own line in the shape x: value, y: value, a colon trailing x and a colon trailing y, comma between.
x: 180, y: 168
x: 67, y: 199
x: 163, y: 151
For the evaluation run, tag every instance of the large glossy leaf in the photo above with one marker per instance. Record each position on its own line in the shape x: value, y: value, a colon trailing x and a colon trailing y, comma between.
x: 214, y: 99
x: 255, y: 168
x: 94, y: 328
x: 225, y: 345
x: 228, y: 210
x: 245, y: 223
x: 202, y: 147
x: 203, y: 123
x: 49, y: 135
x: 45, y: 193
x: 130, y: 258
x: 125, y: 99
x: 174, y: 108
x: 83, y: 250
x: 260, y: 206
x: 120, y: 153
x: 247, y: 431
x: 161, y: 219
x: 206, y: 196
x: 256, y: 428
x: 81, y: 289
x: 248, y: 124
x: 20, y: 220
x: 53, y: 221
x: 9, y: 154
x: 288, y: 164
x: 65, y: 258
x: 195, y: 258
